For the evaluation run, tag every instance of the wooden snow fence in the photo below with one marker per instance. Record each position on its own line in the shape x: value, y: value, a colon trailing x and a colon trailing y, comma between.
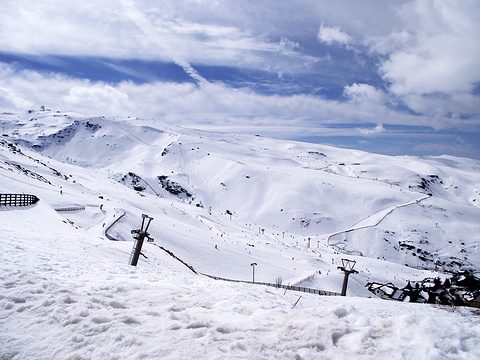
x: 18, y: 199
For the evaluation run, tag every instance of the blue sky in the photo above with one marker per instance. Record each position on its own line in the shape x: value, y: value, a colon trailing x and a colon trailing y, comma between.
x: 392, y: 77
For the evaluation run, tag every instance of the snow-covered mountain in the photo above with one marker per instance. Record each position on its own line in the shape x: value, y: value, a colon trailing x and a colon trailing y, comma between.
x: 422, y: 212
x: 222, y: 202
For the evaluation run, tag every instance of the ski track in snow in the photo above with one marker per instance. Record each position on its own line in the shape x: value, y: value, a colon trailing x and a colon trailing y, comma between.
x: 374, y: 219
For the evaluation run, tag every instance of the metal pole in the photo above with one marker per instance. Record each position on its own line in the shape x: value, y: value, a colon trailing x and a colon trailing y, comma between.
x: 139, y: 236
x: 253, y: 267
x: 136, y: 253
x: 347, y: 268
x: 345, y: 283
x: 296, y: 302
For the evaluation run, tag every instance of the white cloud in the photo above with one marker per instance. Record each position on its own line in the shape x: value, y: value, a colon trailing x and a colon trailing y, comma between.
x: 99, y: 96
x: 333, y: 34
x: 363, y: 93
x: 438, y: 50
x: 430, y: 57
x: 186, y: 103
x: 135, y: 29
x: 372, y: 131
x: 8, y: 100
x: 432, y: 62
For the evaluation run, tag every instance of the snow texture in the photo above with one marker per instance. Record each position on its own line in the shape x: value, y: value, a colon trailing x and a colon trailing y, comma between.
x: 296, y: 209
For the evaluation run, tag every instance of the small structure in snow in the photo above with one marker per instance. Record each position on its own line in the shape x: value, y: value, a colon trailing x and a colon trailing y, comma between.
x: 461, y: 289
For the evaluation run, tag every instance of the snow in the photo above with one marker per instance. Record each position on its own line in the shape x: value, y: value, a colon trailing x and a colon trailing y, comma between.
x: 67, y: 295
x: 67, y: 292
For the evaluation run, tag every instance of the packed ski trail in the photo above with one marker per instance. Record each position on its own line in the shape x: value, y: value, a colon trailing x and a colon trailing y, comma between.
x: 374, y: 220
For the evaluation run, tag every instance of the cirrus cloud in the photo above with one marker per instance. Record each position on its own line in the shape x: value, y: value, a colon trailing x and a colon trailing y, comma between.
x: 135, y: 29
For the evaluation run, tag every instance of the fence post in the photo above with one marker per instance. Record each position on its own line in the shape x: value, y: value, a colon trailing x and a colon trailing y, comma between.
x: 253, y: 266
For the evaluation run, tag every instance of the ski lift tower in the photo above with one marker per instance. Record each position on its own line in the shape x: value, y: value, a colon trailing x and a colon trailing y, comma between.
x: 347, y: 268
x: 139, y: 235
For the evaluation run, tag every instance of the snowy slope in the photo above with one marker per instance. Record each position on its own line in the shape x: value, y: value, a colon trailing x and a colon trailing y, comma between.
x: 66, y: 294
x: 414, y: 211
x: 220, y: 203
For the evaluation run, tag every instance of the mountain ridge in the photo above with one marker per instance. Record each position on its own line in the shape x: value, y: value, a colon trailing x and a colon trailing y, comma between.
x: 307, y: 196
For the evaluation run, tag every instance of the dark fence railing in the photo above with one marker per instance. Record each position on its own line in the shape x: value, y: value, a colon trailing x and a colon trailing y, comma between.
x: 288, y: 287
x: 18, y: 199
x: 176, y: 258
x: 78, y: 208
x: 107, y: 235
